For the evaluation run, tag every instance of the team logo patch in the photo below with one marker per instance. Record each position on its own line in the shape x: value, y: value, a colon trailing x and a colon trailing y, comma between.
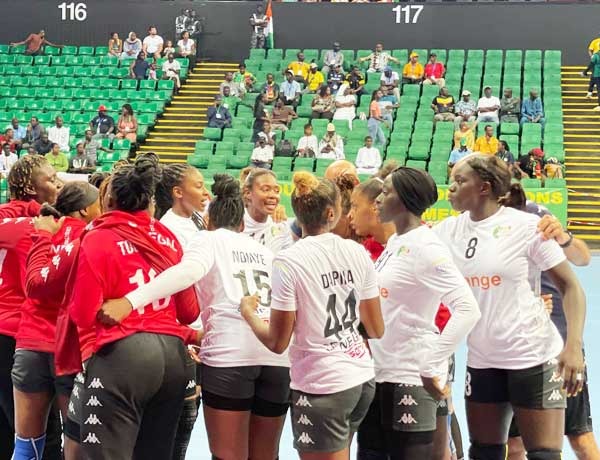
x: 403, y: 250
x: 555, y: 396
x: 305, y: 439
x: 407, y: 419
x: 303, y: 402
x: 304, y: 420
x: 408, y: 400
x: 93, y: 420
x: 92, y: 439
x: 501, y: 231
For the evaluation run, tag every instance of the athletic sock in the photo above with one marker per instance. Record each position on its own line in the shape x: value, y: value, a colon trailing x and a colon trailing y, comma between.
x: 29, y: 448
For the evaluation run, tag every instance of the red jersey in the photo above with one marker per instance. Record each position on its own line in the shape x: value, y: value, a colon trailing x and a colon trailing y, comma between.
x: 123, y: 251
x: 48, y: 267
x: 373, y: 248
x: 17, y: 208
x: 436, y: 70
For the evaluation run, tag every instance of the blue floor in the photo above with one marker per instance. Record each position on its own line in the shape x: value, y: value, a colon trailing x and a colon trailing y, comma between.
x: 589, y: 276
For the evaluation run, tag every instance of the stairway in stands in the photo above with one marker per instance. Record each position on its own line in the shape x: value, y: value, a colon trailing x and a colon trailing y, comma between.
x: 182, y: 124
x: 582, y: 149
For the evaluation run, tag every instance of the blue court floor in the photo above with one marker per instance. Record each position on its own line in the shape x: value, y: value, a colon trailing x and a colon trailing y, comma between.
x: 589, y: 277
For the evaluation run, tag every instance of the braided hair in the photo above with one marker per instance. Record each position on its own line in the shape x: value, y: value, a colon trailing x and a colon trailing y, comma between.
x: 21, y: 176
x: 73, y: 197
x: 227, y: 208
x: 172, y: 176
x: 133, y: 186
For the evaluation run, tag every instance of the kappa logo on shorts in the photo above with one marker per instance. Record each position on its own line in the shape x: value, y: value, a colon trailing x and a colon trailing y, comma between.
x: 407, y: 419
x: 304, y: 420
x: 305, y: 438
x: 79, y: 378
x: 94, y: 402
x: 191, y: 384
x: 303, y: 402
x: 76, y: 392
x: 71, y: 407
x: 92, y: 439
x: 552, y: 362
x: 442, y: 403
x: 556, y: 377
x: 95, y: 383
x: 555, y: 396
x: 93, y: 420
x: 408, y: 400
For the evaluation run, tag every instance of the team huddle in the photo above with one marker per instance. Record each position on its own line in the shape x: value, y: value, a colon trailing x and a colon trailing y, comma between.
x: 127, y: 304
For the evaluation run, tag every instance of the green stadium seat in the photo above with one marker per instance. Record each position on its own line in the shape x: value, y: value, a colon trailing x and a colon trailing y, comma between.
x: 282, y: 164
x: 213, y: 134
x: 86, y: 51
x: 555, y: 183
x: 257, y: 54
x: 199, y: 160
x: 531, y: 183
x: 20, y: 49
x: 275, y: 53
x: 510, y: 128
x: 304, y: 164
x: 4, y: 49
x: 165, y: 85
x: 417, y: 164
x: 69, y: 50
x: 238, y: 161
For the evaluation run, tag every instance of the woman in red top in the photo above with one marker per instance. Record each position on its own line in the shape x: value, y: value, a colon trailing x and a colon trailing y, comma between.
x: 135, y: 382
x: 375, y: 119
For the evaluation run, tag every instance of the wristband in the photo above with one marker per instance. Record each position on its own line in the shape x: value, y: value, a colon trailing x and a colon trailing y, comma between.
x: 569, y: 241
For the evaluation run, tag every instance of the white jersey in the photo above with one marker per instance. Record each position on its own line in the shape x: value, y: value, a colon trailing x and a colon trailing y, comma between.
x: 323, y: 279
x: 226, y: 266
x: 274, y: 236
x: 415, y: 274
x: 495, y: 255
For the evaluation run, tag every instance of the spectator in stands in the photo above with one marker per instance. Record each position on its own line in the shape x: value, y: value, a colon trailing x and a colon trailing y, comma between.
x: 388, y: 103
x: 171, y: 69
x: 115, y: 45
x: 323, y: 104
x: 132, y: 46
x: 186, y: 48
x: 465, y: 130
x: 102, y: 125
x: 314, y: 80
x: 488, y: 106
x: 91, y: 145
x: 218, y: 116
x: 413, y: 70
x: 57, y: 159
x: 532, y: 109
x: 262, y: 155
x: 378, y: 59
x: 290, y: 90
x: 153, y: 43
x: 335, y: 78
x: 465, y: 110
x: 531, y: 165
x: 268, y: 134
x: 234, y: 88
x: 356, y: 81
x: 504, y: 154
x: 332, y: 59
x: 35, y: 43
x: 509, y: 107
x: 270, y: 89
x: 299, y: 68
x: 443, y: 106
x: 33, y: 132
x: 244, y: 78
x: 127, y: 124
x: 152, y: 73
x: 345, y: 105
x: 31, y: 151
x: 230, y: 102
x: 375, y: 119
x: 594, y: 67
x: 168, y: 49
x: 82, y: 163
x: 138, y: 69
x: 18, y: 131
x: 8, y: 138
x: 261, y: 116
x: 434, y: 72
x: 7, y: 160
x: 259, y: 22
x: 487, y: 143
x: 331, y: 146
x: 368, y: 159
x: 60, y: 134
x: 308, y: 145
x: 390, y: 81
x: 282, y: 116
x: 458, y: 153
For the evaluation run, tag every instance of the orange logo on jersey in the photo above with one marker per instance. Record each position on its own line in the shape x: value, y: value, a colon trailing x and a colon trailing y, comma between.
x: 384, y: 293
x: 484, y: 282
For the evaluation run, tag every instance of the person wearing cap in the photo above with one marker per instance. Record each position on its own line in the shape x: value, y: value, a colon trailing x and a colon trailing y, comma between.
x: 413, y: 70
x: 378, y: 59
x: 314, y: 80
x: 488, y: 143
x: 335, y: 78
x: 81, y: 163
x: 532, y: 109
x: 35, y: 44
x: 390, y: 81
x: 332, y: 59
x: 465, y: 109
x: 356, y: 81
x: 531, y: 165
x: 331, y: 146
x: 443, y: 106
x: 509, y: 107
x: 458, y: 154
x: 488, y: 107
x: 434, y: 72
x: 290, y: 90
x: 299, y: 68
x: 102, y: 125
x: 218, y: 116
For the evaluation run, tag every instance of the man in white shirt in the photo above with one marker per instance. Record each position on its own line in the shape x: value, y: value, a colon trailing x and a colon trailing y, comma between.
x: 59, y: 134
x: 7, y: 160
x: 390, y: 81
x: 308, y: 145
x: 186, y: 48
x: 488, y: 107
x: 262, y: 155
x: 153, y: 43
x: 368, y: 160
x: 171, y: 69
x: 331, y: 146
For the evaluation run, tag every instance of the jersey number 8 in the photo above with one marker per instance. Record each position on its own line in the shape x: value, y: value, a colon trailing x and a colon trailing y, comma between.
x: 471, y: 246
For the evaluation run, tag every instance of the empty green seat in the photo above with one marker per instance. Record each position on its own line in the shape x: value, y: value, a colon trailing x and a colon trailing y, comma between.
x: 531, y: 183
x: 304, y: 164
x: 199, y: 159
x: 417, y: 164
x: 213, y: 134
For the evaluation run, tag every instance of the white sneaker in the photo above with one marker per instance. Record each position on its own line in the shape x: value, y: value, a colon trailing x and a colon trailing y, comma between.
x: 596, y: 109
x: 588, y: 96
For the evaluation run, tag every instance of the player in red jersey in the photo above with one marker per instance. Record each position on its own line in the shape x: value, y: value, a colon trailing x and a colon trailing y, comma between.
x: 55, y: 246
x: 135, y: 382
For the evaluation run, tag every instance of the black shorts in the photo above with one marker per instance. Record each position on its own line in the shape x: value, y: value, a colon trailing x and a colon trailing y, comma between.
x: 263, y: 390
x: 72, y: 426
x: 33, y: 372
x: 539, y: 387
x: 190, y: 371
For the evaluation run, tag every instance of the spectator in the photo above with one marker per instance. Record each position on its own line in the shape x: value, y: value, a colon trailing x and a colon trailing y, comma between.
x: 323, y: 104
x: 152, y: 74
x: 42, y: 146
x: 443, y: 106
x: 509, y: 107
x: 488, y: 106
x: 368, y: 160
x: 91, y: 145
x: 33, y: 132
x: 19, y: 132
x: 594, y: 46
x: 244, y: 78
x: 171, y: 69
x: 153, y: 43
x: 531, y: 165
x: 57, y: 159
x: 356, y: 81
x: 378, y: 59
x: 282, y: 116
x: 127, y: 124
x: 532, y: 110
x: 458, y: 153
x: 270, y: 89
x: 335, y: 78
x: 31, y: 151
x: 434, y: 72
x: 594, y: 66
x: 139, y: 68
x: 194, y: 25
x: 314, y: 80
x: 115, y: 45
x: 186, y: 48
x: 262, y: 155
x: 388, y: 103
x: 218, y: 116
x: 181, y: 21
x: 168, y: 49
x: 345, y: 105
x: 487, y: 143
x: 390, y: 81
x: 308, y: 145
x: 8, y: 138
x: 299, y: 68
x: 230, y: 102
x: 81, y: 163
x: 132, y: 47
x: 290, y: 90
x: 375, y: 119
x: 413, y: 70
x: 553, y: 169
x: 35, y: 43
x: 465, y: 110
x: 331, y: 146
x: 268, y: 135
x: 234, y: 88
x: 332, y: 59
x: 60, y: 134
x: 505, y: 155
x: 465, y: 130
x: 259, y: 22
x: 261, y: 116
x: 102, y: 125
x: 7, y: 160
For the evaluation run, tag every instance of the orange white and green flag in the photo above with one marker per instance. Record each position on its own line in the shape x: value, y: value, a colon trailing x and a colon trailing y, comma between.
x: 270, y: 32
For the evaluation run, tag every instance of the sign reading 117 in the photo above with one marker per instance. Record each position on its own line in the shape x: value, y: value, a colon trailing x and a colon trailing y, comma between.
x: 408, y: 14
x: 73, y: 11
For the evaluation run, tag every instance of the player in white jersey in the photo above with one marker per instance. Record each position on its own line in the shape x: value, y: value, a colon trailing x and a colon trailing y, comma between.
x: 516, y: 356
x: 261, y: 197
x: 245, y: 386
x: 323, y: 288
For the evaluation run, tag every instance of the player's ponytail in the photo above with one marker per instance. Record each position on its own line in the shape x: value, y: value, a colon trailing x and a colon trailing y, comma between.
x: 227, y: 208
x: 515, y: 197
x: 311, y: 198
x: 133, y: 186
x: 73, y: 197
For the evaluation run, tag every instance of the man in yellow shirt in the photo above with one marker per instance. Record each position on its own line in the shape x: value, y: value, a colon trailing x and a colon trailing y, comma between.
x: 299, y: 68
x: 487, y: 143
x: 314, y: 80
x: 413, y: 71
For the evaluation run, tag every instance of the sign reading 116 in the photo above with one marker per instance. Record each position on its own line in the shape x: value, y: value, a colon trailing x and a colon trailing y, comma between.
x: 408, y: 14
x: 73, y: 11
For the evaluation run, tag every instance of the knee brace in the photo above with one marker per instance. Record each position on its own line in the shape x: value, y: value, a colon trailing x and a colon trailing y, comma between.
x: 544, y: 454
x: 487, y: 451
x: 29, y: 448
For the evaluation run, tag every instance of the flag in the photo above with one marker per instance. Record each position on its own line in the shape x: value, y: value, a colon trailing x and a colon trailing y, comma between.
x: 270, y: 33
